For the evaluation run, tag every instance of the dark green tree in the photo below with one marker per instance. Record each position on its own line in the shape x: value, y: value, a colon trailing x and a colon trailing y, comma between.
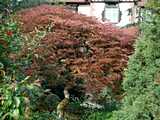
x: 142, y: 78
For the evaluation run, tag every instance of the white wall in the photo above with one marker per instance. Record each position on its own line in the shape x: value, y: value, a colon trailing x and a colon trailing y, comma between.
x: 96, y: 9
x: 84, y: 9
x: 125, y: 18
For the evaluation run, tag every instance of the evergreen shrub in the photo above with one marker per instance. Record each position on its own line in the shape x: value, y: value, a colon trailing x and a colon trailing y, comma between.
x: 141, y: 82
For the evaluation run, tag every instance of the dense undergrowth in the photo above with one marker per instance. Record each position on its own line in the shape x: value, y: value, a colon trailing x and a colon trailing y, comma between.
x: 18, y: 94
x: 53, y: 50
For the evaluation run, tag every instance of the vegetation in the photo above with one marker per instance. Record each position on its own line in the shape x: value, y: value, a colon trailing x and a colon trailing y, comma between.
x: 18, y: 95
x: 153, y: 4
x: 72, y: 42
x: 60, y: 61
x: 141, y: 82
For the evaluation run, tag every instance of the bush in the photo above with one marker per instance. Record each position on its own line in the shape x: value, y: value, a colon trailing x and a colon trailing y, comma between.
x: 18, y: 94
x: 141, y: 82
x: 59, y: 49
x: 11, y: 103
x: 73, y: 51
x: 44, y: 116
x: 75, y: 47
x: 101, y: 115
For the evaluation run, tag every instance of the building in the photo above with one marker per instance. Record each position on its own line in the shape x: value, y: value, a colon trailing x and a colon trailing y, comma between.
x: 119, y: 12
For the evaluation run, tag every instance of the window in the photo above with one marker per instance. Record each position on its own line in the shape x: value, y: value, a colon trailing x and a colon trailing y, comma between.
x: 111, y: 13
x: 130, y: 12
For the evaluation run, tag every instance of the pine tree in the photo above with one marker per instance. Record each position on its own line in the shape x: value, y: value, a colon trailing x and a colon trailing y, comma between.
x: 142, y: 78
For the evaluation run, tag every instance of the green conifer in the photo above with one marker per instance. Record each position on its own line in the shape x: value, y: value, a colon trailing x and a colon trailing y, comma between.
x: 142, y: 78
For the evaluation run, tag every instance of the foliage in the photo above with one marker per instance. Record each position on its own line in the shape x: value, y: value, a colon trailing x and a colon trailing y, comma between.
x: 11, y: 103
x: 66, y: 49
x: 108, y: 99
x: 153, y: 4
x: 74, y: 111
x: 18, y: 94
x: 33, y: 3
x: 9, y: 39
x: 100, y: 115
x: 9, y: 99
x: 9, y: 46
x: 15, y: 99
x: 59, y: 48
x: 44, y: 116
x: 8, y: 6
x: 141, y: 82
x: 75, y: 47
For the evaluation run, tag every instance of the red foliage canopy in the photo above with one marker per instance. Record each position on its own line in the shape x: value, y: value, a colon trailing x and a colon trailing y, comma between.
x: 93, y: 51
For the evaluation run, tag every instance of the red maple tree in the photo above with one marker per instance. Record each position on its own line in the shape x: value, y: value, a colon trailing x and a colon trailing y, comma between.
x: 92, y: 51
